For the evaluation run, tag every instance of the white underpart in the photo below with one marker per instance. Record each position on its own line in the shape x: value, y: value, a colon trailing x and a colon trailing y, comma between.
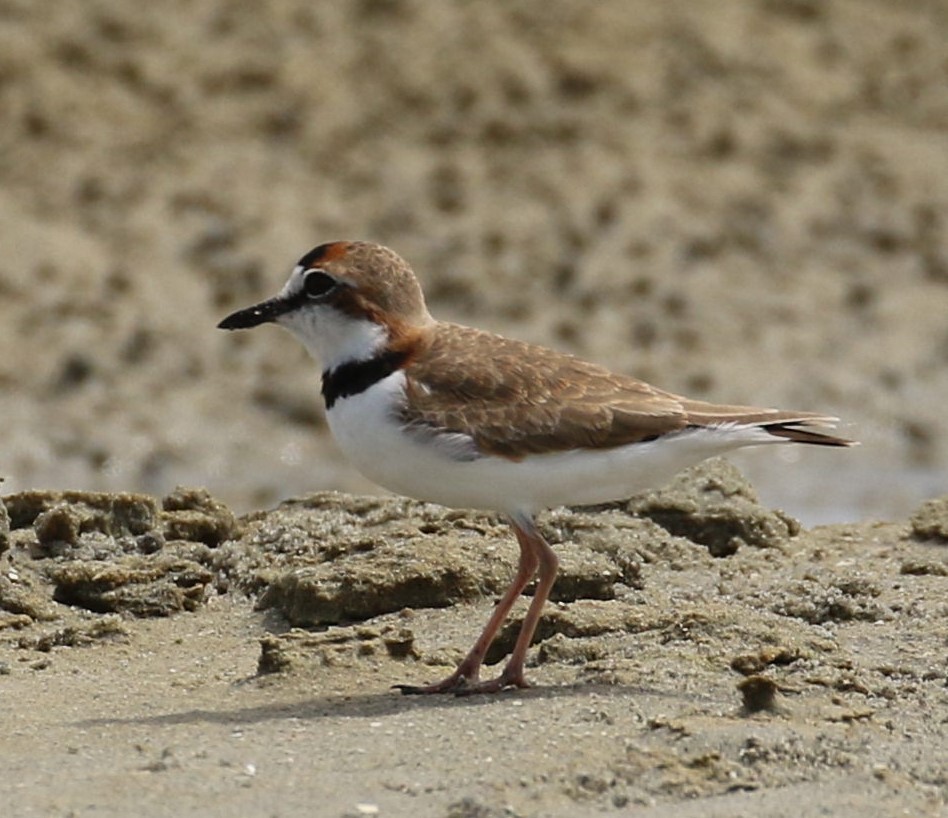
x: 413, y: 464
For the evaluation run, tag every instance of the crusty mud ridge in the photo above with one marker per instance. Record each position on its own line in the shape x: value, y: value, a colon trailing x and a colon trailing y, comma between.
x: 703, y: 655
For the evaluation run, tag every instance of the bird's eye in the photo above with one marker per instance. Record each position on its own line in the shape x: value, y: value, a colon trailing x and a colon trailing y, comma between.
x: 316, y: 283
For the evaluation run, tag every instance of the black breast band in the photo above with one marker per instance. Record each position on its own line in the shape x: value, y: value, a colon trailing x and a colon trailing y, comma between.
x: 357, y: 376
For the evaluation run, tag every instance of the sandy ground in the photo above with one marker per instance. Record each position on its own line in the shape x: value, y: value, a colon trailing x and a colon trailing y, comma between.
x: 187, y: 662
x: 744, y: 200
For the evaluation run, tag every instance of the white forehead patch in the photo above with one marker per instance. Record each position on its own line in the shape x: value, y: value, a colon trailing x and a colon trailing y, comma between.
x: 293, y: 282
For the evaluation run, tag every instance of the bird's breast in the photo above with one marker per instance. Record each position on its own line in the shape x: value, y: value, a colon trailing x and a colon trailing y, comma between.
x: 368, y: 428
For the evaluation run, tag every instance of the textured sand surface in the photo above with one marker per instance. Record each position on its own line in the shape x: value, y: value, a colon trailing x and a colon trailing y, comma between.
x: 167, y: 659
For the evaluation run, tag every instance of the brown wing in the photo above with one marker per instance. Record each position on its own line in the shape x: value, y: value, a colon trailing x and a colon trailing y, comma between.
x: 513, y: 398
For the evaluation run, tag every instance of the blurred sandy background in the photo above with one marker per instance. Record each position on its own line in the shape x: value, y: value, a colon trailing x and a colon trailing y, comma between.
x: 744, y: 200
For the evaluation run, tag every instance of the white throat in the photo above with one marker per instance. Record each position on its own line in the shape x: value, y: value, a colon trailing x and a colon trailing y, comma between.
x: 334, y: 338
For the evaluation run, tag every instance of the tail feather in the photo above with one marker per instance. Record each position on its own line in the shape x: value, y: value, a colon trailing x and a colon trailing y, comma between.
x: 799, y: 427
x: 791, y: 431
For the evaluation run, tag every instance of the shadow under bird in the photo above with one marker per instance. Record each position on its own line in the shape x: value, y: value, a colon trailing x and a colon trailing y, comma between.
x: 453, y: 415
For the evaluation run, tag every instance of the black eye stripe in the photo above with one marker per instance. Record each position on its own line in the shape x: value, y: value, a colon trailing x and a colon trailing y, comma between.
x: 317, y: 283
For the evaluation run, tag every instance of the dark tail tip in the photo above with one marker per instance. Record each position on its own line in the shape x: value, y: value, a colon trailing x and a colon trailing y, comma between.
x: 794, y: 432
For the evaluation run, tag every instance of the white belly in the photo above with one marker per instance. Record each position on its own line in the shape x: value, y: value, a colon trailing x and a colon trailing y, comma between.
x: 364, y: 427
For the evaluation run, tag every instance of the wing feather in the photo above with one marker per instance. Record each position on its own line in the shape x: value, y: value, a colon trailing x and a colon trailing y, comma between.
x: 514, y: 399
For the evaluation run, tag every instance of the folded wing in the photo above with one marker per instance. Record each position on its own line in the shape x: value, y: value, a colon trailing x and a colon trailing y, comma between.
x: 513, y: 399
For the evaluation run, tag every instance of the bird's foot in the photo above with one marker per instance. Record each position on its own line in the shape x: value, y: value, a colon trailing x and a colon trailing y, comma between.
x: 507, y: 679
x: 448, y: 685
x: 461, y: 685
x: 457, y: 681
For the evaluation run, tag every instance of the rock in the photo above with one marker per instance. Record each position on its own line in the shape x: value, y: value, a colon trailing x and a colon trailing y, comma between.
x: 581, y: 620
x: 469, y: 807
x: 748, y: 664
x: 383, y: 580
x: 610, y: 532
x: 59, y: 525
x: 713, y: 505
x: 372, y: 533
x: 920, y: 568
x: 402, y: 555
x: 192, y: 514
x: 930, y: 520
x: 831, y: 598
x: 77, y: 635
x: 337, y: 646
x: 758, y: 693
x: 114, y: 514
x: 274, y: 657
x: 584, y: 574
x: 560, y: 648
x: 141, y: 586
x: 26, y: 597
x: 100, y: 525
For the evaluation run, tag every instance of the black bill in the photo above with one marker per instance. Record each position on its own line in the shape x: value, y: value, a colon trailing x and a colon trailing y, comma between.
x: 261, y: 313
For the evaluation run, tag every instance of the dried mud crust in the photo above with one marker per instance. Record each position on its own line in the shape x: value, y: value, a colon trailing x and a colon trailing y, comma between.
x: 801, y: 657
x: 930, y: 521
x: 79, y: 553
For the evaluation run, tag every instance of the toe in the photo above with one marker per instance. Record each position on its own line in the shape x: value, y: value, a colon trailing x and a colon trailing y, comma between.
x: 452, y: 684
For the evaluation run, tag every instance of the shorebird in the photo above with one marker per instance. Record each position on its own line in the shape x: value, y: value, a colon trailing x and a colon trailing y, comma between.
x: 465, y: 418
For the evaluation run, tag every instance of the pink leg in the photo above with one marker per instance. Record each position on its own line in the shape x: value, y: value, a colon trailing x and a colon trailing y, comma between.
x: 467, y: 673
x: 512, y: 674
